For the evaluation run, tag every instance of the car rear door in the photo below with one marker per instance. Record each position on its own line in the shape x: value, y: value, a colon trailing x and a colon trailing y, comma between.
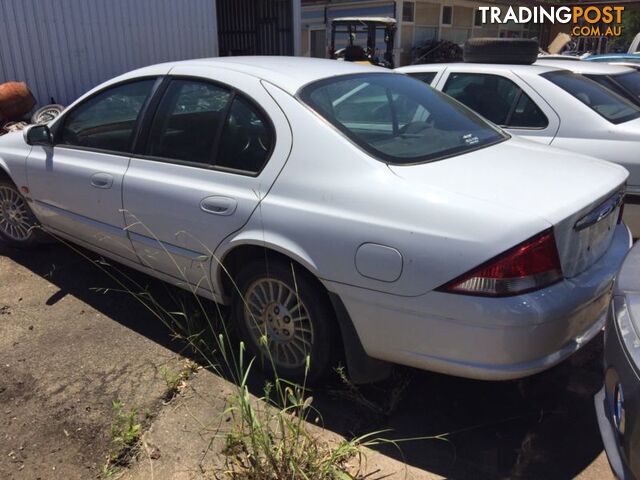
x: 504, y: 99
x: 215, y: 143
x: 430, y: 77
x: 76, y: 185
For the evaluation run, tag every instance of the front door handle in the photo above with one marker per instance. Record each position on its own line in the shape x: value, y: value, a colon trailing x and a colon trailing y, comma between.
x: 102, y: 180
x: 218, y: 205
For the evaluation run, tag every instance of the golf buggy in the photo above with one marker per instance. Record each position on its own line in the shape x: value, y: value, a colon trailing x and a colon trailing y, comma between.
x: 369, y: 27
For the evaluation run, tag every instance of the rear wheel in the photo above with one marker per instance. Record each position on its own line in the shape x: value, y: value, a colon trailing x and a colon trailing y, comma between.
x: 18, y: 226
x: 283, y: 316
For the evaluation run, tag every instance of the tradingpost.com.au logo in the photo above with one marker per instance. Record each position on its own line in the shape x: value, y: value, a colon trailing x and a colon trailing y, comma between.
x: 587, y: 21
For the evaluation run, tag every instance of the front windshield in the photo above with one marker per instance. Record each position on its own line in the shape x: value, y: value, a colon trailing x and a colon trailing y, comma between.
x: 598, y: 98
x: 399, y: 119
x: 630, y: 81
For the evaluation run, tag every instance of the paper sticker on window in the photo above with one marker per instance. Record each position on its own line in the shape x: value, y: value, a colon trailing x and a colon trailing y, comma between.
x: 470, y: 139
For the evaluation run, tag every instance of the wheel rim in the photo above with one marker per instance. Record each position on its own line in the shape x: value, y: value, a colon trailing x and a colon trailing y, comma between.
x: 15, y: 220
x: 47, y: 115
x: 274, y: 310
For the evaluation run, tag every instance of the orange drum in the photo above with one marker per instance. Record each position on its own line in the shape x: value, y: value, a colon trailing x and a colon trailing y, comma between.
x: 16, y: 100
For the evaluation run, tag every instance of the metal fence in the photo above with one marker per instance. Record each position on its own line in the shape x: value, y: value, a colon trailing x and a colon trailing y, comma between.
x: 255, y: 27
x: 62, y: 48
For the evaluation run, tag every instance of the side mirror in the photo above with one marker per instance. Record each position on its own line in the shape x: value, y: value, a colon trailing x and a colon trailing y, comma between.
x: 39, y: 135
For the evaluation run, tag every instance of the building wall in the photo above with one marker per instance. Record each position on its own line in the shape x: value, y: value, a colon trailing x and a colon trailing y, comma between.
x: 63, y: 48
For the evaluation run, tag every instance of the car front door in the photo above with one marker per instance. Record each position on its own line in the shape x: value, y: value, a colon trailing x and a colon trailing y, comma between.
x: 215, y: 144
x: 505, y: 100
x: 76, y: 185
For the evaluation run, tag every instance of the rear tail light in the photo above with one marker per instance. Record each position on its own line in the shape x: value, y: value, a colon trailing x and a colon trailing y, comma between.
x: 532, y: 265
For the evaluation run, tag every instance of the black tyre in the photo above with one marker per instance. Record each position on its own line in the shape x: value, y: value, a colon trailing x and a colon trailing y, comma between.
x: 289, y: 311
x: 18, y: 226
x: 46, y: 114
x: 519, y: 51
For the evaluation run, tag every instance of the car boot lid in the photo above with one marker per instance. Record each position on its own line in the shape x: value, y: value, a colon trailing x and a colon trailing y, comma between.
x: 539, y: 182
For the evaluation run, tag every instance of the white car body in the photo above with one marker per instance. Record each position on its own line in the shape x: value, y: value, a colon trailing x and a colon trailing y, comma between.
x: 572, y: 125
x: 599, y: 72
x: 380, y: 238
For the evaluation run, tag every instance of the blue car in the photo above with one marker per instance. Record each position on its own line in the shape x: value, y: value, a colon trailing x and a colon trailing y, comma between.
x: 629, y: 59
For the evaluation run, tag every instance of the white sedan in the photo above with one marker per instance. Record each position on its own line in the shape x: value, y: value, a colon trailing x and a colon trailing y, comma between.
x: 339, y: 208
x: 550, y: 105
x: 623, y: 80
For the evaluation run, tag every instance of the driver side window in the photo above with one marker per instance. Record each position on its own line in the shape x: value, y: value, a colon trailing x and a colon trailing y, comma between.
x: 107, y: 121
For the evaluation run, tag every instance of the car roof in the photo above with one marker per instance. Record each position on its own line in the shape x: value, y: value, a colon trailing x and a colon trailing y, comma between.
x: 569, y: 58
x: 385, y: 20
x: 288, y: 73
x: 480, y: 67
x: 593, y: 68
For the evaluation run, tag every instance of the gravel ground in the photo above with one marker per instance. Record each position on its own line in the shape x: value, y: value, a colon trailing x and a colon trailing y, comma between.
x: 67, y: 351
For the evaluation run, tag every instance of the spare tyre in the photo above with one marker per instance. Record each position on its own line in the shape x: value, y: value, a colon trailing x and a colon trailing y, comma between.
x: 519, y: 51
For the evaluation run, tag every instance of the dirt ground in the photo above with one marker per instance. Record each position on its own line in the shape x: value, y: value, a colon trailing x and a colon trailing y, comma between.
x: 68, y: 350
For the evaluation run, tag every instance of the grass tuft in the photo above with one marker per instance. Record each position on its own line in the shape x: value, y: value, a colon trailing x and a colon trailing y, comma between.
x: 125, y: 437
x: 176, y: 381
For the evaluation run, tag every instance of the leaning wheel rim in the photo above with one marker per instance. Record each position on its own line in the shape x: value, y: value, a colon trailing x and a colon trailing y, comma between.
x: 15, y: 220
x: 279, y: 322
x: 47, y: 115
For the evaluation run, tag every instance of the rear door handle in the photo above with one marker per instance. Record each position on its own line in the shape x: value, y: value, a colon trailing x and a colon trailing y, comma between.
x: 102, y: 180
x: 218, y: 205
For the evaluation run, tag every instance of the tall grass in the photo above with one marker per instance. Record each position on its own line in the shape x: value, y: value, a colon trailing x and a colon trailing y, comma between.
x: 272, y: 436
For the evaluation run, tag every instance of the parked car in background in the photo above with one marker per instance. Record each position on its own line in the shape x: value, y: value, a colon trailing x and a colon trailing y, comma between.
x: 559, y: 56
x: 622, y: 80
x: 617, y: 405
x: 552, y: 106
x: 336, y: 207
x: 615, y: 58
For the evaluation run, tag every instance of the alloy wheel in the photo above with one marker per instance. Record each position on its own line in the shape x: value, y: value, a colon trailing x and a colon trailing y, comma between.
x: 15, y: 218
x: 275, y: 311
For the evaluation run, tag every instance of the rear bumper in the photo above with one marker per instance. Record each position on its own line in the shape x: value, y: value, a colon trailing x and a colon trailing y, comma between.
x: 487, y: 338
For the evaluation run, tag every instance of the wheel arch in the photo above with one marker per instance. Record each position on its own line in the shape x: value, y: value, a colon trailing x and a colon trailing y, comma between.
x: 246, y: 248
x: 4, y: 171
x: 361, y: 367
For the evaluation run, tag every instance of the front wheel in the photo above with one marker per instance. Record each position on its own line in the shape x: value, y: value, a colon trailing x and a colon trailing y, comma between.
x: 18, y: 226
x: 283, y: 316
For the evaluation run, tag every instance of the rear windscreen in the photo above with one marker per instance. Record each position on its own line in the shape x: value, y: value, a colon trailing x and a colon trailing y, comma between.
x: 398, y: 119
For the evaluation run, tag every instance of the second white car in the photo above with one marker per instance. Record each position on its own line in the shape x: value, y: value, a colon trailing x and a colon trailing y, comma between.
x: 552, y: 106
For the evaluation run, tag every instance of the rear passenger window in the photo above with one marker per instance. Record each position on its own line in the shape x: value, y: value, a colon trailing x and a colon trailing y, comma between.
x: 497, y: 99
x: 246, y: 140
x: 426, y: 77
x: 204, y: 123
x: 188, y: 120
